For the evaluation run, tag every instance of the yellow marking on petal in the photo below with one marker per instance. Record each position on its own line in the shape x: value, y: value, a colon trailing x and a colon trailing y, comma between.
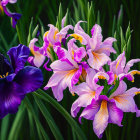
x: 104, y: 105
x: 3, y: 76
x: 96, y: 56
x: 77, y: 37
x: 93, y: 93
x: 72, y: 52
x: 115, y: 77
x: 71, y: 73
x: 118, y: 63
x: 120, y: 99
x: 135, y: 72
x: 138, y: 92
x: 46, y: 33
x: 132, y: 81
x: 101, y: 77
x: 54, y: 36
x: 73, y: 94
x: 7, y: 73
x: 32, y: 50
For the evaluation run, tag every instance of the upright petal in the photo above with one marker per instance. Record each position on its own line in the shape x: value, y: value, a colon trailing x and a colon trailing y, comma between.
x: 18, y: 56
x: 63, y: 32
x: 96, y: 36
x: 117, y: 66
x: 106, y: 46
x: 39, y: 58
x: 130, y: 64
x: 80, y: 31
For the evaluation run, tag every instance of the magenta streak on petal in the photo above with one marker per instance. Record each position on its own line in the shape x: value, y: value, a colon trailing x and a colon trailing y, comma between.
x: 45, y: 65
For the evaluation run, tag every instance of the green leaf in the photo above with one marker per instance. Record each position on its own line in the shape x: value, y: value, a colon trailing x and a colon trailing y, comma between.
x: 49, y: 119
x: 114, y: 24
x: 98, y: 18
x: 123, y: 42
x: 31, y: 126
x: 35, y: 31
x: 40, y: 93
x: 120, y: 17
x: 17, y: 123
x: 4, y: 127
x: 59, y: 17
x: 128, y: 32
x: 5, y: 47
x: 38, y: 124
x: 128, y: 48
x: 30, y: 32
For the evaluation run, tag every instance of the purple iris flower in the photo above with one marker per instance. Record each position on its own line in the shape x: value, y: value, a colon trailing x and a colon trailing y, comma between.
x: 16, y: 80
x: 15, y: 16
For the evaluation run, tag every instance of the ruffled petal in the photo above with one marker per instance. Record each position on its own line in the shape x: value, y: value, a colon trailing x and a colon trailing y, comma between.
x: 83, y: 101
x: 82, y: 88
x: 90, y: 111
x: 125, y: 101
x: 18, y: 56
x: 106, y: 46
x: 55, y: 79
x: 11, y: 95
x: 76, y: 53
x: 30, y: 78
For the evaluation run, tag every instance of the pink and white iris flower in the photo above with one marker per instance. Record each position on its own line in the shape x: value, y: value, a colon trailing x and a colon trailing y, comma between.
x: 97, y: 50
x: 110, y: 109
x: 88, y: 90
x: 67, y: 69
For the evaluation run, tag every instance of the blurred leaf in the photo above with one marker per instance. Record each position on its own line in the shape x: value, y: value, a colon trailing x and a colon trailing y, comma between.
x: 14, y: 131
x: 38, y: 124
x: 123, y: 43
x: 66, y: 115
x: 35, y: 31
x: 49, y: 119
x: 59, y: 17
x: 30, y: 32
x: 4, y: 127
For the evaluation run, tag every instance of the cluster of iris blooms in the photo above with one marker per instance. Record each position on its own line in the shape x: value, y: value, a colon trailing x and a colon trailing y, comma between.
x: 102, y: 94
